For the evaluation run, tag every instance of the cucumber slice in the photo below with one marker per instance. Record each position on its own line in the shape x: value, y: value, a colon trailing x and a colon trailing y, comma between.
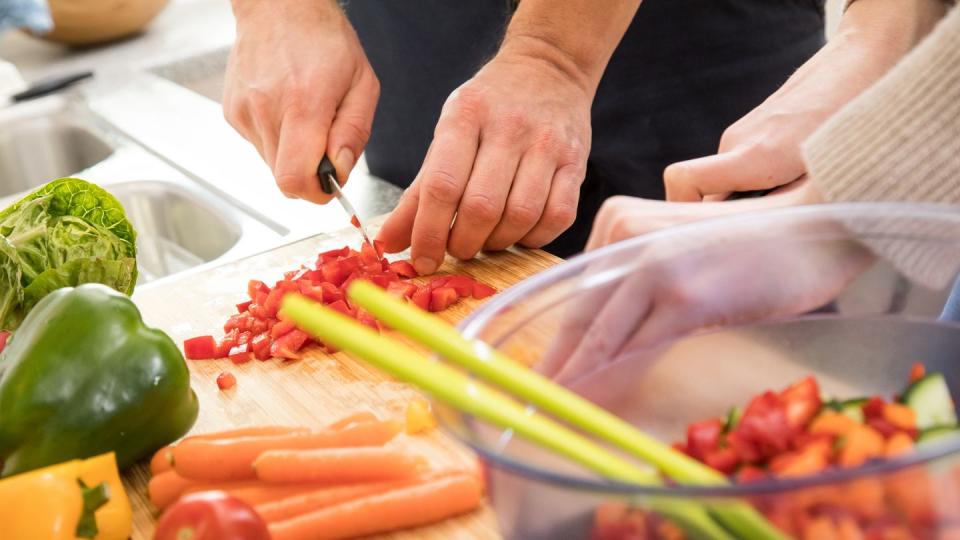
x: 937, y: 432
x: 929, y: 397
x: 850, y: 407
x: 732, y: 419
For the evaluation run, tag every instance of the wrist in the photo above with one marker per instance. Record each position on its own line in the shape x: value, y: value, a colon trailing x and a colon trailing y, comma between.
x: 522, y: 47
x: 252, y: 11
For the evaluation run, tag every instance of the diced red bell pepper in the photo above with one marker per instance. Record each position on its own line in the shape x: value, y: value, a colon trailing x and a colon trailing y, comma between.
x: 744, y: 447
x: 241, y: 322
x: 4, y: 337
x: 369, y: 255
x: 482, y: 290
x: 261, y: 297
x: 403, y: 269
x: 311, y: 291
x: 333, y: 255
x: 333, y: 272
x: 255, y: 287
x: 200, y: 348
x: 379, y: 246
x: 261, y: 346
x: 749, y: 473
x: 342, y: 307
x: 260, y: 326
x: 462, y: 284
x: 244, y: 306
x: 764, y: 423
x: 704, y: 437
x: 228, y: 342
x: 442, y: 298
x: 402, y: 289
x: 723, y: 459
x: 272, y: 305
x: 802, y: 401
x: 366, y: 318
x: 882, y: 426
x: 350, y: 265
x: 873, y: 408
x: 287, y: 345
x: 421, y: 298
x: 281, y: 328
x: 438, y: 282
x: 331, y: 293
x: 287, y: 285
x: 241, y: 357
x: 382, y: 280
x: 226, y: 380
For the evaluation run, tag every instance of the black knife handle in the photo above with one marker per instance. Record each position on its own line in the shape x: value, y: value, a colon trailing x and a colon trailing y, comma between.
x: 326, y: 171
x: 51, y: 86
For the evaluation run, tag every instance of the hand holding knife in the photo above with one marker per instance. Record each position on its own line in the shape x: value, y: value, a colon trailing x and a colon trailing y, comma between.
x: 328, y: 183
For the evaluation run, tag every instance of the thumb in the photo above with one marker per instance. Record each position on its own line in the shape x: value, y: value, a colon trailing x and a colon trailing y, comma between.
x: 741, y: 169
x: 352, y: 125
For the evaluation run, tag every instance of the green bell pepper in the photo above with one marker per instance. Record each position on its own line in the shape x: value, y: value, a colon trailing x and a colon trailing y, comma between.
x: 83, y: 376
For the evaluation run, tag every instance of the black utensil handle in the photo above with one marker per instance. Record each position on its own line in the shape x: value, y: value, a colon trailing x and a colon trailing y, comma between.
x: 51, y: 86
x: 749, y: 194
x: 326, y: 171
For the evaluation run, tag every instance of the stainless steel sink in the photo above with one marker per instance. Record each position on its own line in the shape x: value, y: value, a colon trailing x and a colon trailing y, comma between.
x: 44, y: 140
x: 168, y: 219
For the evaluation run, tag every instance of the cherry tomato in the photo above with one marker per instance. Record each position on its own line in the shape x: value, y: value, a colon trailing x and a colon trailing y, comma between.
x: 211, y: 515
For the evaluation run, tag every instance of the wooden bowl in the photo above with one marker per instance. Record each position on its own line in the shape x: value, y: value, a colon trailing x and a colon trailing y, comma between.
x: 92, y: 22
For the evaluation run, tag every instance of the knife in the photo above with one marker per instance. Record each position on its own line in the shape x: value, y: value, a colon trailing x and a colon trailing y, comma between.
x: 328, y: 183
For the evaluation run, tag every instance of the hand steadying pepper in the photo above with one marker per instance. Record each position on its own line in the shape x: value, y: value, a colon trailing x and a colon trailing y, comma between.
x: 83, y: 376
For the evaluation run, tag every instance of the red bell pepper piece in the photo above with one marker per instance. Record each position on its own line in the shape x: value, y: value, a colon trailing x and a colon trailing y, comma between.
x: 200, y: 348
x: 442, y: 298
x: 255, y: 287
x: 802, y: 401
x: 462, y: 284
x: 749, y: 473
x: 342, y: 307
x: 272, y: 305
x: 333, y: 255
x: 282, y: 328
x: 261, y: 346
x: 241, y: 357
x: 401, y: 289
x: 764, y: 423
x: 333, y: 272
x: 482, y: 290
x: 917, y: 371
x: 4, y: 337
x: 244, y: 306
x: 421, y: 298
x: 438, y: 282
x: 331, y: 293
x: 228, y: 342
x: 403, y: 269
x: 723, y: 459
x: 873, y: 408
x: 287, y: 345
x: 226, y: 380
x: 311, y: 291
x: 368, y: 254
x: 704, y: 437
x: 379, y: 247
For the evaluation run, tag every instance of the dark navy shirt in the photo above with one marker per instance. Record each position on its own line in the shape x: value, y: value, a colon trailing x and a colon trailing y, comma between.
x: 684, y: 71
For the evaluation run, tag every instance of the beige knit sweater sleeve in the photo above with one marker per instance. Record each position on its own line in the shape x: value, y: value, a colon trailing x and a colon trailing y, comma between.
x: 900, y: 141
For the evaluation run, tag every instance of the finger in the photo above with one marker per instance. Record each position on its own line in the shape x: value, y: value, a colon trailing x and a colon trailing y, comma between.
x: 618, y: 319
x: 352, y: 125
x: 610, y: 212
x: 268, y: 134
x: 238, y: 116
x: 484, y: 199
x: 560, y: 210
x: 396, y: 230
x: 741, y: 169
x: 443, y: 179
x: 526, y: 201
x: 301, y: 146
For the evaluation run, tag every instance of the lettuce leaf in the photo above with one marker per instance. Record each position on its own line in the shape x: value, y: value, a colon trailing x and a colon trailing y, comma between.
x: 11, y: 291
x: 66, y: 233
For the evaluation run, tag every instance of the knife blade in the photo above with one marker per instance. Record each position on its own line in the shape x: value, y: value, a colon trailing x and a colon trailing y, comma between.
x: 328, y: 183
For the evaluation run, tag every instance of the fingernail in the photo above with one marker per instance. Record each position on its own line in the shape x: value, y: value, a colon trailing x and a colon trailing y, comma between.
x: 345, y: 161
x: 424, y: 265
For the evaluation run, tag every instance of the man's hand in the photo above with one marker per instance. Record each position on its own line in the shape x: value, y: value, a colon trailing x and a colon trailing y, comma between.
x: 507, y: 159
x: 298, y: 85
x: 510, y: 149
x: 762, y: 149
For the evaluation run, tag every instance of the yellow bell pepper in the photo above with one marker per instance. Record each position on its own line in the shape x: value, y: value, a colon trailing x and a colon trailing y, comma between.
x: 48, y: 503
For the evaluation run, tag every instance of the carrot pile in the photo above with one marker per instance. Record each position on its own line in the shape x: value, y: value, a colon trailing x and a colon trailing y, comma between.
x: 341, y: 481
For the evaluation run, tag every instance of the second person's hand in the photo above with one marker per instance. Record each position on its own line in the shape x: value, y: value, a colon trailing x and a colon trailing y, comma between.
x: 299, y: 85
x: 505, y: 166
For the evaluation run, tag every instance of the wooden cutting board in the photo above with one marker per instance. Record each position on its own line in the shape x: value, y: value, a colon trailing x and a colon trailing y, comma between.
x: 317, y: 389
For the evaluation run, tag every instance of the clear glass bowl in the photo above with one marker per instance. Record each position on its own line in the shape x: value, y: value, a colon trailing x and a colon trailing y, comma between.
x: 679, y: 325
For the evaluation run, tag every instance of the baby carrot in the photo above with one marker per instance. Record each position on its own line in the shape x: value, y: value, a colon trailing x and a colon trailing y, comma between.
x: 336, y: 465
x: 311, y: 501
x: 163, y: 459
x: 217, y: 460
x: 254, y: 492
x: 397, y: 509
x: 166, y: 487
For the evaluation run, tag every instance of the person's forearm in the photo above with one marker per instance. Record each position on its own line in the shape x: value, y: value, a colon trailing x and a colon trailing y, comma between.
x: 889, y: 28
x: 576, y: 36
